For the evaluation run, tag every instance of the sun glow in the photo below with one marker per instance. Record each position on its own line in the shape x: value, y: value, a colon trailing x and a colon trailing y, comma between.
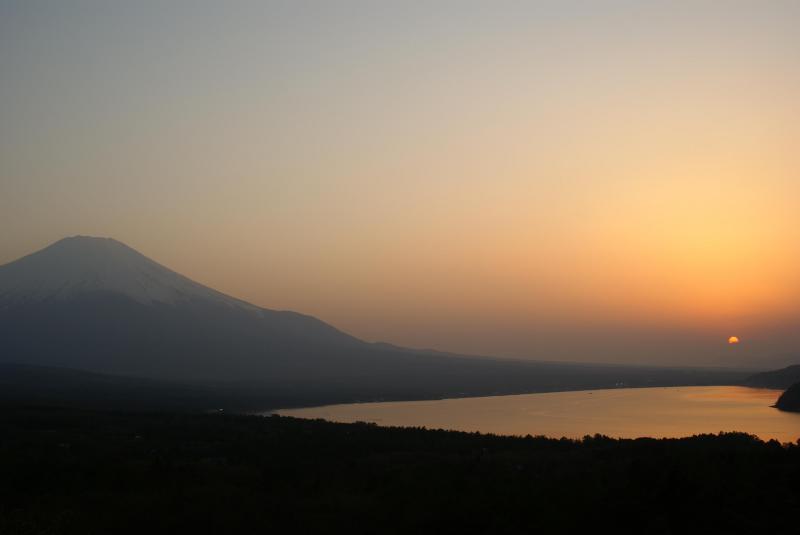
x: 733, y: 340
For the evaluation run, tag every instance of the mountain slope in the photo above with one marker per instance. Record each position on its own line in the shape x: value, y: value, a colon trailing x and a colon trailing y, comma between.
x: 84, y: 268
x: 95, y: 304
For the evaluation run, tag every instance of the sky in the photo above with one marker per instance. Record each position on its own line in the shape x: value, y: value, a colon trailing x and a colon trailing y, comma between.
x: 607, y: 181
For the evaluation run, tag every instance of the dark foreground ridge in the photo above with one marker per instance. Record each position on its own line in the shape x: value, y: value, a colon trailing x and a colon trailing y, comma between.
x: 66, y: 471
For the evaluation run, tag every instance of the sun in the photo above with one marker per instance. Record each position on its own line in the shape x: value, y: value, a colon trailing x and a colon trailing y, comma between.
x: 733, y: 340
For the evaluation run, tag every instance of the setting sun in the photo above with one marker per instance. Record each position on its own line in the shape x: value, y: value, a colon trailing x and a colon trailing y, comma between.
x: 733, y: 340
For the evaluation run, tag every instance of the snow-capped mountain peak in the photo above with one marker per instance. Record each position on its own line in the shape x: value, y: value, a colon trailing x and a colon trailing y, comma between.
x: 83, y: 265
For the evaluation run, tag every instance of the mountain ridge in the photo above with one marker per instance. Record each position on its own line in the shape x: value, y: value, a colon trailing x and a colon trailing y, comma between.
x: 779, y: 379
x: 97, y: 305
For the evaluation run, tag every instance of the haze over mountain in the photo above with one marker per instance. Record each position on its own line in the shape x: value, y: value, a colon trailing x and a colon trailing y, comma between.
x: 95, y: 304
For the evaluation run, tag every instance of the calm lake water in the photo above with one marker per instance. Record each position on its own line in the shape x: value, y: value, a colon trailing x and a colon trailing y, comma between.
x: 625, y: 412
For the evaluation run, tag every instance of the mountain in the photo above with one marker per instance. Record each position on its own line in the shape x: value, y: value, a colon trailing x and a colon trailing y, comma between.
x: 86, y: 268
x: 82, y: 265
x: 779, y: 379
x: 95, y: 304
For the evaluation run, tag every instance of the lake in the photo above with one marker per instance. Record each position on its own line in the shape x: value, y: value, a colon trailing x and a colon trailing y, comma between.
x: 624, y: 412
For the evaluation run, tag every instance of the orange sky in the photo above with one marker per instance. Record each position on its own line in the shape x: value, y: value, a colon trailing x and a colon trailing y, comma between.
x: 609, y: 182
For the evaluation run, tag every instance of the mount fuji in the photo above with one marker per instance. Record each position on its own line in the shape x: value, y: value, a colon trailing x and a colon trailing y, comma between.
x: 95, y: 304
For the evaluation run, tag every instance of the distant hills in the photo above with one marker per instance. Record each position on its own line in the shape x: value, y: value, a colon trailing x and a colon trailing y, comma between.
x: 779, y: 379
x: 96, y: 305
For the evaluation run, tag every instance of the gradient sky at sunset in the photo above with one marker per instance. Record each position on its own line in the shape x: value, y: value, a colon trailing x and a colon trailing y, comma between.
x: 587, y: 181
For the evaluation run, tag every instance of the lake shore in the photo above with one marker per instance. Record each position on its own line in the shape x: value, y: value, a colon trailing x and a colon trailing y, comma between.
x: 623, y: 412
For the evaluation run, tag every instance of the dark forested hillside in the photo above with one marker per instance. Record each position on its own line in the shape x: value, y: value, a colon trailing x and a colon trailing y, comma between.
x: 66, y: 471
x: 58, y: 386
